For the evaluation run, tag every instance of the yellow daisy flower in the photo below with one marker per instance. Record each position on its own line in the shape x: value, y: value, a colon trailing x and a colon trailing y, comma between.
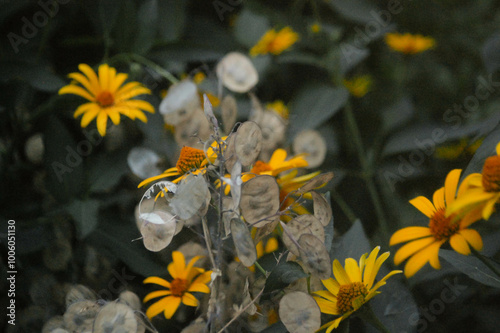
x: 107, y: 96
x: 408, y: 43
x: 359, y: 86
x: 280, y: 108
x: 425, y: 242
x: 352, y: 287
x: 275, y: 42
x: 186, y: 279
x: 483, y: 189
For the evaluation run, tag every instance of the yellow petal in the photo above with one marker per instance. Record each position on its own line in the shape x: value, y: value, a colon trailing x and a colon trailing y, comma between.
x: 468, y: 200
x: 451, y: 184
x: 76, y: 90
x: 382, y: 282
x: 352, y: 270
x: 117, y: 82
x: 91, y: 75
x: 473, y: 238
x: 114, y: 116
x: 332, y: 285
x: 89, y: 116
x: 84, y: 108
x: 189, y: 300
x: 472, y: 180
x: 424, y: 205
x: 326, y: 306
x: 418, y: 260
x: 370, y: 263
x: 339, y: 273
x: 326, y: 294
x: 155, y: 294
x: 190, y: 266
x: 459, y: 244
x: 409, y: 233
x: 438, y: 199
x: 157, y: 280
x: 277, y: 158
x: 489, y: 208
x: 199, y: 287
x: 102, y: 121
x: 167, y: 305
x: 409, y: 249
x: 104, y: 76
x: 271, y: 245
x: 376, y: 267
x: 203, y: 278
x: 80, y: 78
x: 498, y: 148
x: 178, y: 265
x: 138, y: 104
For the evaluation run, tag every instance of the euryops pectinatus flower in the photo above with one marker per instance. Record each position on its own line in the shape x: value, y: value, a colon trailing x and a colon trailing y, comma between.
x: 186, y: 279
x: 483, y: 189
x: 352, y: 287
x: 275, y: 42
x: 408, y: 43
x: 425, y: 242
x: 107, y: 96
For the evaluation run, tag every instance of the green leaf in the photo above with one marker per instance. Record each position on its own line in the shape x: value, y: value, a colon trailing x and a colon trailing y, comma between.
x: 472, y: 267
x: 124, y: 34
x: 353, y: 244
x: 85, y: 215
x: 173, y: 19
x: 186, y: 52
x: 147, y: 26
x: 250, y: 27
x: 486, y: 150
x: 107, y: 170
x: 275, y: 328
x: 397, y: 114
x: 360, y: 11
x: 103, y: 14
x: 283, y: 274
x: 314, y: 104
x: 38, y: 76
x: 491, y: 53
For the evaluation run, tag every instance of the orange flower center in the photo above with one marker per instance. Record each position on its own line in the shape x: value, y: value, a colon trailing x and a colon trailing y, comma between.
x: 348, y: 293
x: 105, y: 99
x: 440, y: 225
x: 178, y: 287
x: 491, y: 174
x: 191, y: 158
x: 260, y: 167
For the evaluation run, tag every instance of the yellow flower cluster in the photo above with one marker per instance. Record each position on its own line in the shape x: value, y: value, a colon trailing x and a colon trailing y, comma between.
x: 275, y: 42
x: 408, y: 43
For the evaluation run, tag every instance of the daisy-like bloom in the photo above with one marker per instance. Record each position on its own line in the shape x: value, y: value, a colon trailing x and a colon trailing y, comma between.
x: 483, y: 189
x: 408, y: 43
x: 107, y: 96
x: 280, y: 108
x: 352, y: 287
x: 275, y: 42
x: 425, y: 242
x: 186, y: 279
x: 358, y: 86
x: 454, y: 151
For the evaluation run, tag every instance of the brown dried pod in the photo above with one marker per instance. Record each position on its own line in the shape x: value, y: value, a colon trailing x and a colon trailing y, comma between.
x: 322, y: 208
x: 229, y: 112
x: 300, y: 313
x: 228, y: 213
x: 237, y: 72
x: 79, y: 316
x: 248, y: 143
x: 313, y: 145
x: 301, y: 225
x: 230, y: 153
x: 130, y: 299
x: 316, y: 182
x: 180, y: 102
x: 192, y: 194
x: 260, y: 200
x: 115, y: 318
x: 79, y: 293
x: 199, y: 326
x: 314, y: 256
x: 264, y: 231
x: 52, y: 324
x: 243, y: 242
x: 194, y: 130
x: 156, y: 236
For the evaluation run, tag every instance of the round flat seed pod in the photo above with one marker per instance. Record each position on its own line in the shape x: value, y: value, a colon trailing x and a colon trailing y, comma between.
x: 199, y: 326
x: 180, y: 102
x: 248, y: 143
x: 316, y: 182
x: 229, y: 153
x: 260, y: 201
x: 115, y: 318
x: 301, y: 225
x: 243, y: 242
x: 52, y: 324
x: 143, y: 162
x: 229, y: 112
x: 157, y: 236
x: 192, y: 193
x: 300, y: 313
x: 322, y: 208
x: 79, y: 317
x: 313, y: 145
x: 79, y: 293
x: 194, y: 130
x: 130, y: 299
x: 237, y: 72
x: 314, y: 256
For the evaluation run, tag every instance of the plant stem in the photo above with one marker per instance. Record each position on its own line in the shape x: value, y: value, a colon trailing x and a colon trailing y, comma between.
x: 344, y: 206
x: 160, y: 70
x: 367, y: 170
x: 309, y: 283
x: 260, y: 268
x: 366, y: 313
x: 485, y: 261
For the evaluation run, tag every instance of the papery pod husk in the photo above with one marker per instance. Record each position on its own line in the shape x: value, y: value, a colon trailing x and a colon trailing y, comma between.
x: 312, y: 145
x: 248, y: 143
x: 243, y: 242
x: 156, y: 237
x: 316, y: 182
x: 229, y: 112
x: 79, y: 316
x: 322, y: 208
x: 115, y: 318
x: 298, y: 226
x: 194, y: 131
x: 192, y: 194
x: 260, y: 201
x: 79, y: 293
x: 314, y: 256
x: 300, y: 313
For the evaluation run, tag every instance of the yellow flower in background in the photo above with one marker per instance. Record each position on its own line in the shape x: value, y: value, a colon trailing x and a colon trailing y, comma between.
x: 408, y: 43
x: 454, y: 151
x: 275, y: 42
x: 359, y: 86
x: 186, y: 279
x: 425, y: 242
x: 263, y: 247
x: 280, y: 108
x: 352, y: 287
x: 190, y: 160
x: 483, y: 190
x: 315, y: 28
x: 107, y: 96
